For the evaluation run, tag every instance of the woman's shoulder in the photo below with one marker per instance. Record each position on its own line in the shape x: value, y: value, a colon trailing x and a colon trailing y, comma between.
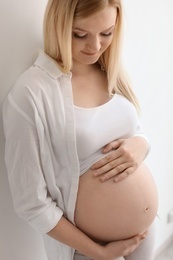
x: 43, y: 76
x: 44, y: 71
x: 39, y: 82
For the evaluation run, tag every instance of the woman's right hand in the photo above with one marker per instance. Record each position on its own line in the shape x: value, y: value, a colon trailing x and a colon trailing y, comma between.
x: 67, y: 233
x: 121, y: 248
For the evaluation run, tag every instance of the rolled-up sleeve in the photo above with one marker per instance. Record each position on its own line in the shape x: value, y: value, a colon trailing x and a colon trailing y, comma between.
x: 31, y: 198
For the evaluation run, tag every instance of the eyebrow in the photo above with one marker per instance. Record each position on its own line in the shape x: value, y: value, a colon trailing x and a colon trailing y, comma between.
x: 79, y: 29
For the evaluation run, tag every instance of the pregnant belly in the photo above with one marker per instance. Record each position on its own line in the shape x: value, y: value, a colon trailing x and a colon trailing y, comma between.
x: 108, y: 211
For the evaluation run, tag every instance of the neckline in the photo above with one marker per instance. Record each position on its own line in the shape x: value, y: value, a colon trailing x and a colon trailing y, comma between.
x: 97, y: 107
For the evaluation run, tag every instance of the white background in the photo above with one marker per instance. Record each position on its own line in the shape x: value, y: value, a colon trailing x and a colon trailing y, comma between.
x: 148, y: 55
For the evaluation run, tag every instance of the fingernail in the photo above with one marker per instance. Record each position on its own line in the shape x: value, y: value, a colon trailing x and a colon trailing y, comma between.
x: 143, y: 236
x: 116, y: 180
x: 103, y: 179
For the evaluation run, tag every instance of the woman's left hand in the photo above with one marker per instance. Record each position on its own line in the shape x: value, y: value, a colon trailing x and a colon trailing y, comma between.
x: 124, y: 157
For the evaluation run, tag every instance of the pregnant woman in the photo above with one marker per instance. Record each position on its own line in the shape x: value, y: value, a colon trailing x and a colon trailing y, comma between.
x: 74, y: 143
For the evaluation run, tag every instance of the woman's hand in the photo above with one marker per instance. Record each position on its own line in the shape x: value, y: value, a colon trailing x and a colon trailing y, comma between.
x: 121, y: 248
x: 124, y: 157
x: 67, y: 233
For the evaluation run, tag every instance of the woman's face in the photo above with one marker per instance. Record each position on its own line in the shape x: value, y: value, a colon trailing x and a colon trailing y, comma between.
x: 93, y: 35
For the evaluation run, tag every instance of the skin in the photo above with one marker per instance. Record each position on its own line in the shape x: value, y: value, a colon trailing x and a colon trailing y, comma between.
x: 89, y: 90
x: 113, y: 211
x: 124, y: 159
x: 89, y: 42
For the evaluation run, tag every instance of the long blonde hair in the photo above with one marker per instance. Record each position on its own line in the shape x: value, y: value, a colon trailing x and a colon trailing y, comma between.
x: 58, y: 23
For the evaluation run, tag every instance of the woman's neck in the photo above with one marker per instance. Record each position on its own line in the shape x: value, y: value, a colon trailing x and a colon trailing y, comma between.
x: 83, y: 69
x: 89, y: 85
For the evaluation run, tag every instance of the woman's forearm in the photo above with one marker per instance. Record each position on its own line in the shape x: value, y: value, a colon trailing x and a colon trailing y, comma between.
x: 70, y: 235
x: 67, y: 233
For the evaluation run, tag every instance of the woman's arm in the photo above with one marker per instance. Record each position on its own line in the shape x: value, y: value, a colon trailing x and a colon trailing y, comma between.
x: 124, y: 157
x: 70, y: 235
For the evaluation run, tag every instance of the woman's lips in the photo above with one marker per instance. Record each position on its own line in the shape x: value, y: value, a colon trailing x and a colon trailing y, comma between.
x: 89, y: 53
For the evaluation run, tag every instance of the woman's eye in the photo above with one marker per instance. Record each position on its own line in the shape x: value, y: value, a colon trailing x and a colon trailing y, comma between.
x: 79, y: 36
x: 106, y: 34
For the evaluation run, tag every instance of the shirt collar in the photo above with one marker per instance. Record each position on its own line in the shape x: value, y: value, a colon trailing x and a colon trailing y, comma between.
x: 49, y: 65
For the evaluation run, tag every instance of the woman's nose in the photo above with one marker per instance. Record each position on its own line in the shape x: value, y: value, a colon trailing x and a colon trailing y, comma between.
x: 94, y: 44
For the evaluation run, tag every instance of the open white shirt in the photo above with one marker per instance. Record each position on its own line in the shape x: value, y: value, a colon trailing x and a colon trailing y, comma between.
x: 41, y: 151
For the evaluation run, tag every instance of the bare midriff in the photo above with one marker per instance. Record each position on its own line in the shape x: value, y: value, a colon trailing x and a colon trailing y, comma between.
x: 109, y: 211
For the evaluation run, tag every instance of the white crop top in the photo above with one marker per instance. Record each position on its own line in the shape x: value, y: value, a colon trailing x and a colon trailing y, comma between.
x: 96, y: 127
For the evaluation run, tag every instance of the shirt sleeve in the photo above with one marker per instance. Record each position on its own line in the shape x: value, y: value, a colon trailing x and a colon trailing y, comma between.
x: 31, y: 198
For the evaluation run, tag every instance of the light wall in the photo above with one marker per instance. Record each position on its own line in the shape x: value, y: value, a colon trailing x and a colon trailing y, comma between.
x: 149, y: 59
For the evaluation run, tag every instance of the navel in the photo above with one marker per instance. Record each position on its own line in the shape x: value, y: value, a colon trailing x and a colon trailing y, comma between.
x: 146, y: 209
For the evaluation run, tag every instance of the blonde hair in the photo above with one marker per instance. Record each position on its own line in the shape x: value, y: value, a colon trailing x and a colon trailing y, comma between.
x: 58, y: 23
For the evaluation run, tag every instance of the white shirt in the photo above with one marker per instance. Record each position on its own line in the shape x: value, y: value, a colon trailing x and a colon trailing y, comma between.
x: 41, y: 153
x: 41, y: 156
x: 98, y: 126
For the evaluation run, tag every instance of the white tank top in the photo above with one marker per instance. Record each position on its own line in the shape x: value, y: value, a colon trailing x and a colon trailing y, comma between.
x: 96, y: 127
